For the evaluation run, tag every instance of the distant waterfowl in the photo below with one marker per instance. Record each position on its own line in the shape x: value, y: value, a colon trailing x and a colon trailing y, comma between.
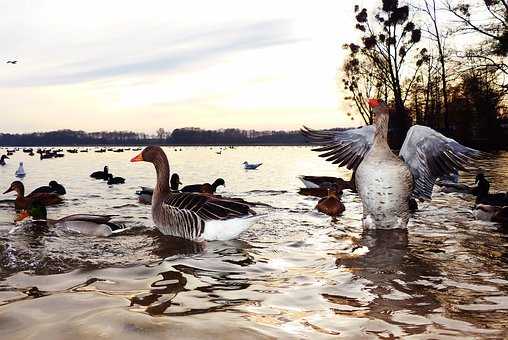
x: 101, y: 174
x: 100, y: 150
x: 86, y: 224
x: 13, y: 62
x: 21, y: 171
x: 331, y: 205
x: 189, y: 215
x: 251, y: 166
x: 386, y: 182
x: 54, y: 187
x: 115, y: 180
x: 2, y: 160
x: 145, y: 194
x: 491, y: 213
x: 484, y: 197
x: 72, y: 150
x: 198, y: 187
x: 23, y: 202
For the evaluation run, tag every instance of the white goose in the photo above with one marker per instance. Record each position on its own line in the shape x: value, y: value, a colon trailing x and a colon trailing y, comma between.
x: 192, y: 216
x: 386, y: 182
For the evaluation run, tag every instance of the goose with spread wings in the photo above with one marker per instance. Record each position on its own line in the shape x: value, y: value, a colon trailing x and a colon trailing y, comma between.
x: 192, y: 216
x: 387, y: 182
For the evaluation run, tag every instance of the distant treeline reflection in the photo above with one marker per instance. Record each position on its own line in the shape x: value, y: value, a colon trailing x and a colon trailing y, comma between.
x: 184, y: 136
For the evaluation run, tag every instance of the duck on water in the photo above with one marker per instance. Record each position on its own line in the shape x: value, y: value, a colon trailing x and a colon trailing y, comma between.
x: 386, y: 182
x: 86, y: 224
x: 25, y: 202
x: 192, y: 216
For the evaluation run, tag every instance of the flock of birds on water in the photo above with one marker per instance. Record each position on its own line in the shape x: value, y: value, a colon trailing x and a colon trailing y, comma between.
x: 388, y: 185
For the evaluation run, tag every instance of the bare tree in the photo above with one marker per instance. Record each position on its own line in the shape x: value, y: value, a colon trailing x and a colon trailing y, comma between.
x: 161, y: 133
x: 387, y: 41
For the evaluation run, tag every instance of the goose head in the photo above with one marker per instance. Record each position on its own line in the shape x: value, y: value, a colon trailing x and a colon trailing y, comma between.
x: 16, y: 186
x: 379, y: 109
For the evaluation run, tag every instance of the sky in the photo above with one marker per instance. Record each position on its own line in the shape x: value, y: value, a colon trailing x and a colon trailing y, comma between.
x: 140, y: 65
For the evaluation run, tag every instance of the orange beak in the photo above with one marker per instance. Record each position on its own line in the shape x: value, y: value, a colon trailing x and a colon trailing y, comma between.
x: 22, y: 215
x: 138, y: 158
x: 374, y: 103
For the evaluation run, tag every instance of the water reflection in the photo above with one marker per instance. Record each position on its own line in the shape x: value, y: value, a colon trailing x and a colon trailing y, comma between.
x: 390, y: 272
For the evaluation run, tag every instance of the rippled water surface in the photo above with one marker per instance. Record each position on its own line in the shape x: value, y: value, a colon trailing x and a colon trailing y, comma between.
x: 294, y: 274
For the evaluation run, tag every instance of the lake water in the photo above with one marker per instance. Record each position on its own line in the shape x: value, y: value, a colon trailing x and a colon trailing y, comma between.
x: 293, y: 274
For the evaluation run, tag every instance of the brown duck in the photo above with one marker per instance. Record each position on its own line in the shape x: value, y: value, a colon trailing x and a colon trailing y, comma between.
x: 23, y: 202
x: 331, y: 205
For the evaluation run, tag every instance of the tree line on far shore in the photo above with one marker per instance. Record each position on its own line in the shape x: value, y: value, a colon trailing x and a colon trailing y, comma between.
x: 184, y: 136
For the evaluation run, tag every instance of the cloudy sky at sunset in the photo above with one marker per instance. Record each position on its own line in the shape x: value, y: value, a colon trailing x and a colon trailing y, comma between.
x: 140, y: 65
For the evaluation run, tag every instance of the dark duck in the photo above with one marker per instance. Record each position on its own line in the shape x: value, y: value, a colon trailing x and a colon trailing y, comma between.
x: 115, y: 180
x: 484, y: 197
x: 101, y: 174
x: 198, y: 187
x: 53, y: 188
x: 2, y: 160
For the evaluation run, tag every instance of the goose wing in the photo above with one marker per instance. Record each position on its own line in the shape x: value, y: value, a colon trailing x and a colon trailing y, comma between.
x: 346, y: 148
x: 208, y: 207
x: 430, y: 155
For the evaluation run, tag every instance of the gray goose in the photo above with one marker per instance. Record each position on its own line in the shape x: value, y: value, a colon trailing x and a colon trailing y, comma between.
x: 192, y: 216
x: 387, y: 182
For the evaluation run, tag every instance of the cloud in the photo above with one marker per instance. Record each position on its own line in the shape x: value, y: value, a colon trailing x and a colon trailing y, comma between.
x: 188, y: 49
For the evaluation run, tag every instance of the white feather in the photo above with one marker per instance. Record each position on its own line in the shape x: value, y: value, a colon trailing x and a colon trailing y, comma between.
x: 223, y: 230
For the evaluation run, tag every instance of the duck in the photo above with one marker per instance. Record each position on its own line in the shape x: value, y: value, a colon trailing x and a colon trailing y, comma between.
x: 484, y: 197
x: 327, y: 182
x: 197, y: 187
x: 491, y: 213
x: 86, y: 224
x: 251, y: 166
x: 385, y: 181
x: 115, y: 180
x: 2, y: 160
x: 20, y: 173
x: 23, y: 202
x: 101, y: 174
x: 318, y: 192
x: 52, y: 187
x: 192, y: 216
x: 331, y: 205
x: 145, y: 194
